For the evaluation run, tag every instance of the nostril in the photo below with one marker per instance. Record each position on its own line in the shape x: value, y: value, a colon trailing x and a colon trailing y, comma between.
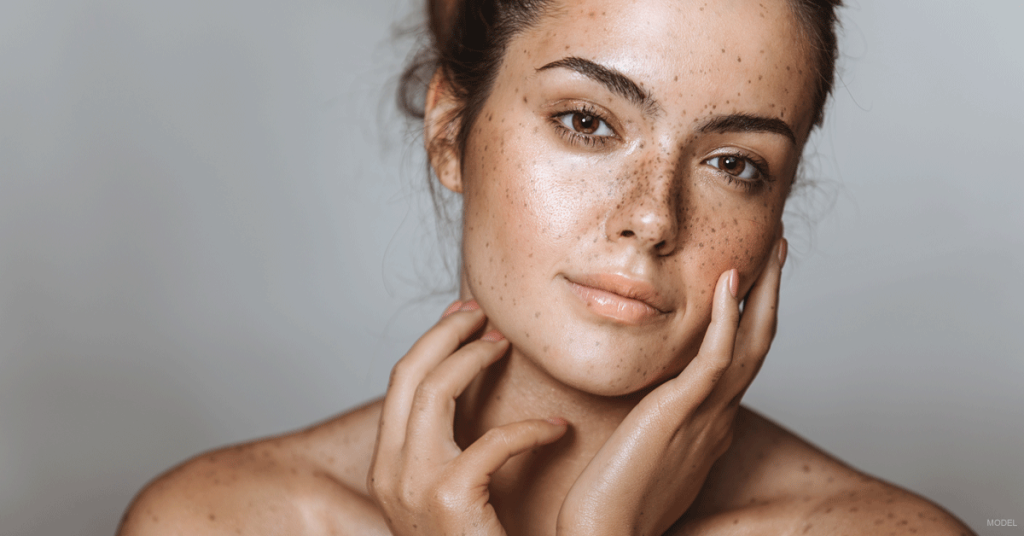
x: 660, y: 246
x: 627, y: 233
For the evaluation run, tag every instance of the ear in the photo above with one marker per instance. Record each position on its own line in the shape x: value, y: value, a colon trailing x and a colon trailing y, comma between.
x: 440, y: 126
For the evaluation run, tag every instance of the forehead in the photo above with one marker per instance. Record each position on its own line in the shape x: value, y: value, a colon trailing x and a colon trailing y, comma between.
x: 751, y: 53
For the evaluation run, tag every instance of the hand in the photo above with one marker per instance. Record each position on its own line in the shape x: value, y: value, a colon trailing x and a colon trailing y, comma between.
x: 420, y: 479
x: 650, y: 470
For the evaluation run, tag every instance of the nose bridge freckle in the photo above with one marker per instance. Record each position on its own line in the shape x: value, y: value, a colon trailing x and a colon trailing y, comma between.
x: 649, y: 211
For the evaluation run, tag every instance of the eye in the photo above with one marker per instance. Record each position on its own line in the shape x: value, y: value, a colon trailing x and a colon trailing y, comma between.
x: 586, y: 123
x: 737, y: 166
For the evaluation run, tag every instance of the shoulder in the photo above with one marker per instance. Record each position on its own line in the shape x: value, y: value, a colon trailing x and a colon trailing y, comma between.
x: 877, y: 507
x: 307, y: 482
x: 772, y: 481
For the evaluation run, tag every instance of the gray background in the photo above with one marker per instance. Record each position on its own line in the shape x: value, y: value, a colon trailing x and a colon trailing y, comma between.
x: 213, y: 228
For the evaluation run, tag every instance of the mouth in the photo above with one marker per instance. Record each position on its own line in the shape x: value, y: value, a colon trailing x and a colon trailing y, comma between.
x: 618, y: 298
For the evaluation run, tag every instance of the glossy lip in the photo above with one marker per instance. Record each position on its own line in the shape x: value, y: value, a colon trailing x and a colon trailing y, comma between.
x: 618, y: 297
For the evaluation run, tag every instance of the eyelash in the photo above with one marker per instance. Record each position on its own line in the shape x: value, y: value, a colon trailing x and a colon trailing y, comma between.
x: 748, y: 185
x: 577, y: 138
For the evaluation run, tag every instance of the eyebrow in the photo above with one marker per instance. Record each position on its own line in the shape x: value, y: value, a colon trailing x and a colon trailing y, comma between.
x: 747, y: 123
x: 615, y: 81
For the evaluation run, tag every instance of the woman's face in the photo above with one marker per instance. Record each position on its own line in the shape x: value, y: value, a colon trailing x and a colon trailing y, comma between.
x: 629, y: 154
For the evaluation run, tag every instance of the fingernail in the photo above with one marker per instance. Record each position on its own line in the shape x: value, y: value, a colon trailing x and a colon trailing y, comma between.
x: 471, y: 305
x: 492, y: 336
x: 734, y: 282
x: 783, y: 251
x: 558, y: 421
x: 452, y: 308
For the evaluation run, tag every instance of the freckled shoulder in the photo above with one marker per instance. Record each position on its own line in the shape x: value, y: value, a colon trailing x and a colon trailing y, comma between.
x: 774, y: 482
x: 307, y: 482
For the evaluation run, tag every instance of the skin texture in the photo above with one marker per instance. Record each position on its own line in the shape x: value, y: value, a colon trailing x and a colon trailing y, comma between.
x: 529, y: 410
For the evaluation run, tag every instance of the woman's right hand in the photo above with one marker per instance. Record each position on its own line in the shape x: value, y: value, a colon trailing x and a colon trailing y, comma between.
x: 421, y: 480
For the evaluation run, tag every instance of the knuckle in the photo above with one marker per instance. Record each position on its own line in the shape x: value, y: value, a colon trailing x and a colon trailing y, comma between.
x: 446, y: 497
x: 666, y: 410
x: 716, y: 367
x: 407, y: 495
x: 757, y: 349
x: 448, y: 331
x: 378, y: 490
x: 427, y: 392
x: 399, y: 371
x: 497, y: 438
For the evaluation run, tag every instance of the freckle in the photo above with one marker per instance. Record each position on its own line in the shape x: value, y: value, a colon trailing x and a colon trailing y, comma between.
x: 739, y: 59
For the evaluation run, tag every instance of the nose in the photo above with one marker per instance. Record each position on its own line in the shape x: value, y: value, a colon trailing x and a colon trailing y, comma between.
x: 648, y: 211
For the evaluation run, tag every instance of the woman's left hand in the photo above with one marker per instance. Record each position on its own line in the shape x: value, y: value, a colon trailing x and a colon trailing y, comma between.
x: 650, y: 470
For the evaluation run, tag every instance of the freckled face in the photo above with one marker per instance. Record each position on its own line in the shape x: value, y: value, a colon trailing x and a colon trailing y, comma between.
x: 633, y: 149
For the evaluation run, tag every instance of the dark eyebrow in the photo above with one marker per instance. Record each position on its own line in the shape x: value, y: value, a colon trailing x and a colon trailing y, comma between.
x: 615, y: 81
x: 747, y: 123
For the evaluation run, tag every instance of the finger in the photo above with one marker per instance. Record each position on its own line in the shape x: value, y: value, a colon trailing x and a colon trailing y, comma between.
x: 432, y: 348
x: 433, y: 407
x: 757, y: 326
x: 487, y: 454
x: 715, y: 354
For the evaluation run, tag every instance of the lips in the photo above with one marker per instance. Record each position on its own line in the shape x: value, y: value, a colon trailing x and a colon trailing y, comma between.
x: 618, y: 297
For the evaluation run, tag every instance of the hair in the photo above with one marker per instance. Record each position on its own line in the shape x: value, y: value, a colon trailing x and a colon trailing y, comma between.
x: 467, y: 41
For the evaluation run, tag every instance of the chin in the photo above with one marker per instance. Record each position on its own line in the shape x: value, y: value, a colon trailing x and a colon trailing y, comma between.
x: 608, y: 368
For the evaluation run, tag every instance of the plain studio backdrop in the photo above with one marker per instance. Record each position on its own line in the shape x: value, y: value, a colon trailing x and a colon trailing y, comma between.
x: 214, y: 227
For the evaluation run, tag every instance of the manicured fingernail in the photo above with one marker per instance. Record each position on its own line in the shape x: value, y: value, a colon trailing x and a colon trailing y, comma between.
x: 452, y: 308
x: 734, y: 282
x: 783, y: 251
x: 471, y: 305
x: 492, y: 336
x: 558, y: 421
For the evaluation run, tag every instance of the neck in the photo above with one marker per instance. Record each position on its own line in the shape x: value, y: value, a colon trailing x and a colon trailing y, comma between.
x: 516, y: 389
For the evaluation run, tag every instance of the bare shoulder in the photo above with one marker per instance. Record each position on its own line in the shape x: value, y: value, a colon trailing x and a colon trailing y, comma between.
x: 772, y: 481
x: 308, y: 482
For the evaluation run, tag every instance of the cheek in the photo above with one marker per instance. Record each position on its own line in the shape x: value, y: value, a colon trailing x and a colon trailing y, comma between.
x: 515, y: 213
x: 528, y: 195
x: 728, y: 232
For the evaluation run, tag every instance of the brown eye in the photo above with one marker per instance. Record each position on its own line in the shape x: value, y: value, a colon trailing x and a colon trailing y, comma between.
x: 735, y: 165
x: 585, y: 124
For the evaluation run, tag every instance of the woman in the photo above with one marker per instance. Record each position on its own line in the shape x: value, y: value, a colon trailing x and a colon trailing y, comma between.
x: 623, y: 169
